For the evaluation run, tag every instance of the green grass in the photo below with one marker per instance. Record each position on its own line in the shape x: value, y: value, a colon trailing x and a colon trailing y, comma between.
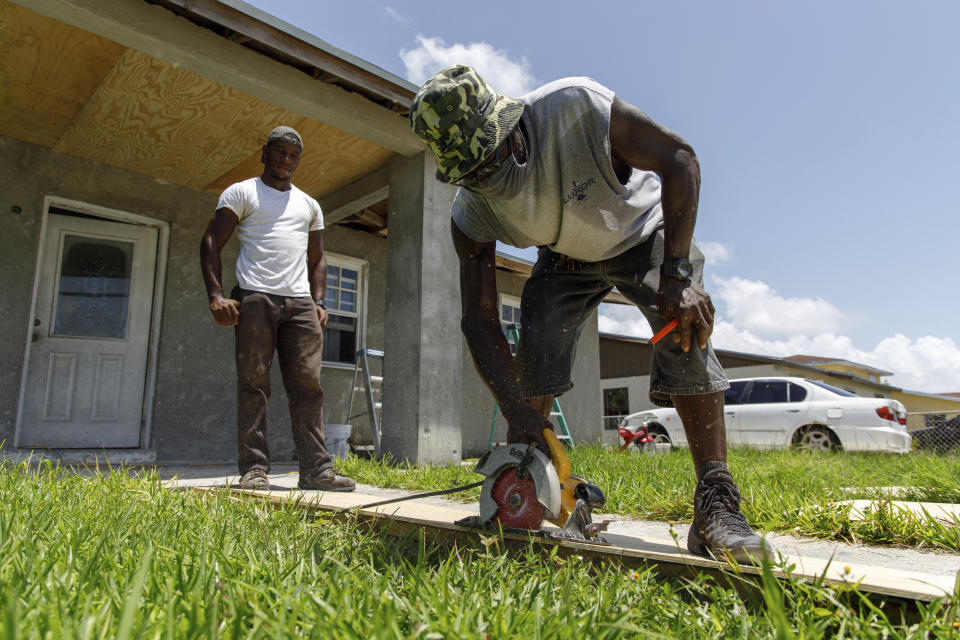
x: 785, y: 491
x: 112, y: 556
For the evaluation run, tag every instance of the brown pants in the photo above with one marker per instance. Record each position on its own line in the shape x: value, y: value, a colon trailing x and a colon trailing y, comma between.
x: 291, y: 327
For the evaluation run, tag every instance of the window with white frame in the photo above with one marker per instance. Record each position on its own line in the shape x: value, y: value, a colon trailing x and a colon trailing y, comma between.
x: 344, y: 298
x: 510, y: 316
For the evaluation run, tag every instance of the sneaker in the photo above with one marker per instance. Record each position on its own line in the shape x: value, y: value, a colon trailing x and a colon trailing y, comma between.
x: 719, y: 527
x: 255, y: 480
x: 326, y: 480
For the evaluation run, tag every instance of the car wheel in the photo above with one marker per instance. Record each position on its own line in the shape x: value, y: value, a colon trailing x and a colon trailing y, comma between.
x: 816, y: 438
x: 659, y: 436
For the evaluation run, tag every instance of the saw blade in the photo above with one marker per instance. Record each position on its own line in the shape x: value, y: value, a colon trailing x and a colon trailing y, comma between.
x: 516, y: 498
x: 537, y: 469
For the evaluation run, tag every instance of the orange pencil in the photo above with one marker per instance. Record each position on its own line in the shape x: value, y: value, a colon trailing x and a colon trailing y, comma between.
x: 673, y: 324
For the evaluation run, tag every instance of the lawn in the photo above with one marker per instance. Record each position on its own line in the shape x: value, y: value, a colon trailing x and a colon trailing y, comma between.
x: 113, y: 556
x: 785, y: 491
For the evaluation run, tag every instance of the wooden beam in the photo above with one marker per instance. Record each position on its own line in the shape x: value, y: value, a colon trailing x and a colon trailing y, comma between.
x: 296, y: 48
x: 357, y: 195
x: 371, y: 218
x: 160, y: 33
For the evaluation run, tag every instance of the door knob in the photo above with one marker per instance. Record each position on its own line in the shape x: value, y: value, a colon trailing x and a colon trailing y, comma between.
x: 36, y: 334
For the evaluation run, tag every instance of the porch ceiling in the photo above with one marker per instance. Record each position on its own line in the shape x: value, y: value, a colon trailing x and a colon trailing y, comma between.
x: 70, y: 90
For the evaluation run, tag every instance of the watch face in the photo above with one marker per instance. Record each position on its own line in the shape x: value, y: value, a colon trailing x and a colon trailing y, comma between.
x: 684, y: 268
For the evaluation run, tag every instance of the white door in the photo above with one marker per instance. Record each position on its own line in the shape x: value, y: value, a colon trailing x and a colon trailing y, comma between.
x: 84, y: 379
x: 768, y: 417
x: 732, y: 399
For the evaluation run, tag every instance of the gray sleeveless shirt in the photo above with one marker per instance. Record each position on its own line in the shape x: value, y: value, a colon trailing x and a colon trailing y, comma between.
x: 568, y: 196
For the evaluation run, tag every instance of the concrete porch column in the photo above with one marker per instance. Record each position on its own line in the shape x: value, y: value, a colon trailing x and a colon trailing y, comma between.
x: 423, y: 359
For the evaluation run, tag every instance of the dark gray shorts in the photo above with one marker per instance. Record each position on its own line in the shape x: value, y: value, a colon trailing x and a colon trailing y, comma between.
x: 560, y: 295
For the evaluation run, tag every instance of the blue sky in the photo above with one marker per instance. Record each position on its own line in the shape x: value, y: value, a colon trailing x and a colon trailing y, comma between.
x: 826, y: 132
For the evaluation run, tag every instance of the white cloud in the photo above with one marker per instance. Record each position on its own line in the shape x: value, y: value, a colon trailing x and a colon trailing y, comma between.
x: 623, y: 320
x: 399, y: 17
x: 928, y: 364
x: 715, y: 252
x: 756, y: 307
x: 494, y: 65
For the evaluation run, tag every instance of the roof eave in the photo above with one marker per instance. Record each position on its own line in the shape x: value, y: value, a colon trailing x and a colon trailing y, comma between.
x: 258, y: 30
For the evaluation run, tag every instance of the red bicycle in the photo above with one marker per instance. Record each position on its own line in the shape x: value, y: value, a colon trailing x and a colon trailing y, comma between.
x: 639, y: 438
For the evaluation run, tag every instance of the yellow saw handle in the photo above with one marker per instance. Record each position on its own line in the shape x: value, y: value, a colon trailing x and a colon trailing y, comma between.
x: 558, y: 455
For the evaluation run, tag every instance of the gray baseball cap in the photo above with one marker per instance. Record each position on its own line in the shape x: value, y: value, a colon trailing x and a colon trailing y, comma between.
x: 285, y: 134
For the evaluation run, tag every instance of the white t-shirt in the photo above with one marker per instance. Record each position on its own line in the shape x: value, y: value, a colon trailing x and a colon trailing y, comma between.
x: 570, y: 199
x: 273, y: 231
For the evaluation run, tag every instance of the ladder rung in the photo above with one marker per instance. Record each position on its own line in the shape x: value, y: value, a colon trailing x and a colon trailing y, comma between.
x: 376, y: 378
x: 377, y: 405
x: 555, y: 413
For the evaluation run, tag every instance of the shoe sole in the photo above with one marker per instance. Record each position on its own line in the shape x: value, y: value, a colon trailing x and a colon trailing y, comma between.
x: 696, y: 545
x: 340, y: 490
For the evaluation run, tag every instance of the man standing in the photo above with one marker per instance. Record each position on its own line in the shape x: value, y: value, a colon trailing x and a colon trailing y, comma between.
x: 610, y: 198
x: 277, y: 305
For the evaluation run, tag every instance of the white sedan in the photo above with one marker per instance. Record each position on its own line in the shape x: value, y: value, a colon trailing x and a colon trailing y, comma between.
x: 782, y: 412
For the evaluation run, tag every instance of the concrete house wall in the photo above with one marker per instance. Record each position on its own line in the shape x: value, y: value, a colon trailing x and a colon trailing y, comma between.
x: 194, y: 412
x: 102, y: 150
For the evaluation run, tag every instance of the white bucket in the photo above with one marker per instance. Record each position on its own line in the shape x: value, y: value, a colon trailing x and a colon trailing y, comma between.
x: 656, y: 448
x: 336, y: 436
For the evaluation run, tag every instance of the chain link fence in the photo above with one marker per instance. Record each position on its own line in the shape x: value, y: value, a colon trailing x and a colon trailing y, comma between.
x: 936, y: 432
x: 610, y: 423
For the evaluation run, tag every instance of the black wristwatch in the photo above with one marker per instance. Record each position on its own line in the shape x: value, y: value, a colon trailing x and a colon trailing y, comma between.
x: 321, y: 304
x: 679, y: 268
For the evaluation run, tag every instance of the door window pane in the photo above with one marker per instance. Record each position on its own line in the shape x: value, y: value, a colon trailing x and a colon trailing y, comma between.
x: 768, y: 391
x: 734, y: 394
x: 94, y: 289
x: 797, y: 393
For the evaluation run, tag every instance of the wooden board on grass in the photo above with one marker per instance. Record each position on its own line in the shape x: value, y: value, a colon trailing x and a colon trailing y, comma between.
x: 631, y: 551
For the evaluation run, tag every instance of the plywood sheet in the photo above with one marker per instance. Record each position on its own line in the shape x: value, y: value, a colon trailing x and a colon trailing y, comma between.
x: 48, y: 71
x: 331, y: 159
x: 153, y: 118
x: 630, y: 549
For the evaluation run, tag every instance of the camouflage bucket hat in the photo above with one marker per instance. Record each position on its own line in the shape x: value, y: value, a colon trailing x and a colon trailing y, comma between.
x: 462, y: 119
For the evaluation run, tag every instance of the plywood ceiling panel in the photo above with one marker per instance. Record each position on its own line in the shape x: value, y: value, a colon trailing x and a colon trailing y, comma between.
x: 48, y: 71
x: 331, y: 159
x: 80, y: 94
x: 153, y: 118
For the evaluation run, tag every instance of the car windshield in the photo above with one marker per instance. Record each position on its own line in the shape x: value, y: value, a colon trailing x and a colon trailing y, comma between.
x: 833, y: 389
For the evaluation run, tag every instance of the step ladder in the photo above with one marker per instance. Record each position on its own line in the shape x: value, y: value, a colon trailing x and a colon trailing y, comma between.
x: 513, y: 339
x: 372, y: 388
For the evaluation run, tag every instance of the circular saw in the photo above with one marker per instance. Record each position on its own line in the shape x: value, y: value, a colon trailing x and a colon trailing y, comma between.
x: 523, y: 487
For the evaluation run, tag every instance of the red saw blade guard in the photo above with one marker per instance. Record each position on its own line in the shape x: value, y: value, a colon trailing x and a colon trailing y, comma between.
x: 516, y: 500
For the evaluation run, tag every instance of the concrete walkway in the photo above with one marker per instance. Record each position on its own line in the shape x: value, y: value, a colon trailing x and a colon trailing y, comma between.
x: 924, y: 561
